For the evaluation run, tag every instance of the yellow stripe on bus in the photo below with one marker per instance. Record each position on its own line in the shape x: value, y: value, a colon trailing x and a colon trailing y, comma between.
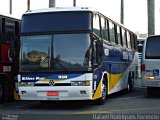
x: 48, y: 80
x: 98, y: 93
x: 113, y: 80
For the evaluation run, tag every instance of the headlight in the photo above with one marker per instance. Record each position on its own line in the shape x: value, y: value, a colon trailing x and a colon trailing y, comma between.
x: 80, y: 83
x: 26, y: 84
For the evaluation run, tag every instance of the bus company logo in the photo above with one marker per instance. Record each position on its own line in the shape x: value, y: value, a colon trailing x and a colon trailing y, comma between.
x: 28, y: 78
x: 62, y: 77
x: 51, y: 83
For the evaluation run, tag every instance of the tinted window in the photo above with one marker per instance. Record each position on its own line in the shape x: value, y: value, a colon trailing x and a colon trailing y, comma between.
x: 104, y: 25
x: 135, y: 42
x: 73, y: 54
x: 7, y: 29
x: 128, y: 40
x: 56, y: 21
x: 152, y: 48
x: 96, y: 25
x: 58, y: 52
x: 124, y: 39
x: 118, y: 35
x: 33, y: 55
x: 111, y: 32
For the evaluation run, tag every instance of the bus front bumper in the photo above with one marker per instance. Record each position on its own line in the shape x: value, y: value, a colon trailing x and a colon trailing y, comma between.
x: 150, y: 83
x: 55, y: 93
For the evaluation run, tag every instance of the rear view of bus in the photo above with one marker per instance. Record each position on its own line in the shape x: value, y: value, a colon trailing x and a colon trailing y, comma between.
x: 151, y: 64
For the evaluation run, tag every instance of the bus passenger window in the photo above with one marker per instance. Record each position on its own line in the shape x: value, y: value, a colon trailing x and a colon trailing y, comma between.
x: 128, y: 40
x: 111, y: 32
x: 8, y: 29
x: 104, y: 24
x: 119, y: 35
x: 135, y: 42
x: 96, y: 25
x: 124, y: 39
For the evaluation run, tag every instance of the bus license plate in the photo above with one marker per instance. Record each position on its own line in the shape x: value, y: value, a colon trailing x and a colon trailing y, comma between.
x: 52, y: 93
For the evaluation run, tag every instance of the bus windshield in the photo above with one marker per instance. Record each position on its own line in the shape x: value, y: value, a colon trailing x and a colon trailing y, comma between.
x: 152, y: 48
x: 58, y: 52
x: 56, y: 22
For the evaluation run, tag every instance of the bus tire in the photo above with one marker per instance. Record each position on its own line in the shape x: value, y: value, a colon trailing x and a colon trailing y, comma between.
x: 101, y: 100
x: 150, y: 91
x: 130, y: 84
x: 4, y: 89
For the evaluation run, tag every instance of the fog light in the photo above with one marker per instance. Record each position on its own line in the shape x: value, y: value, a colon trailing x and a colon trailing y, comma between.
x: 23, y: 92
x: 82, y: 92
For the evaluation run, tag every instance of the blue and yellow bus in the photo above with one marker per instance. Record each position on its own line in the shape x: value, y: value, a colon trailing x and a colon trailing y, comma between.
x: 74, y: 54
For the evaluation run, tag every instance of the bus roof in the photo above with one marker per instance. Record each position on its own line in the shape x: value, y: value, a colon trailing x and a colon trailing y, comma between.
x: 9, y: 16
x: 60, y: 9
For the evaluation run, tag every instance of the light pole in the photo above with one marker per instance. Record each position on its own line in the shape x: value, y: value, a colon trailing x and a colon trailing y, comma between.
x: 10, y: 6
x: 74, y: 3
x: 151, y: 17
x: 28, y: 4
x: 122, y: 12
x: 52, y: 3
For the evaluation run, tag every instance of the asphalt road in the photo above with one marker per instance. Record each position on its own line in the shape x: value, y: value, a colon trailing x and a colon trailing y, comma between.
x: 123, y: 106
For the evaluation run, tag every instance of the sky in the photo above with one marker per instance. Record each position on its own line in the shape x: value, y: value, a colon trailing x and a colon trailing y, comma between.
x: 135, y: 11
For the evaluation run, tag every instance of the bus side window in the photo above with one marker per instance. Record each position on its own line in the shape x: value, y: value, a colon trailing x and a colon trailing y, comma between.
x: 104, y: 26
x: 111, y: 32
x: 132, y: 43
x: 128, y: 40
x: 119, y: 36
x: 3, y: 29
x: 124, y: 38
x: 135, y: 42
x: 8, y: 30
x: 96, y: 25
x: 116, y: 36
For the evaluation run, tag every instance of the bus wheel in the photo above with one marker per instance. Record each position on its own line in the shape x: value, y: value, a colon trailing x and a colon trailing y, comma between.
x: 150, y: 91
x: 4, y: 91
x: 101, y: 100
x: 130, y: 84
